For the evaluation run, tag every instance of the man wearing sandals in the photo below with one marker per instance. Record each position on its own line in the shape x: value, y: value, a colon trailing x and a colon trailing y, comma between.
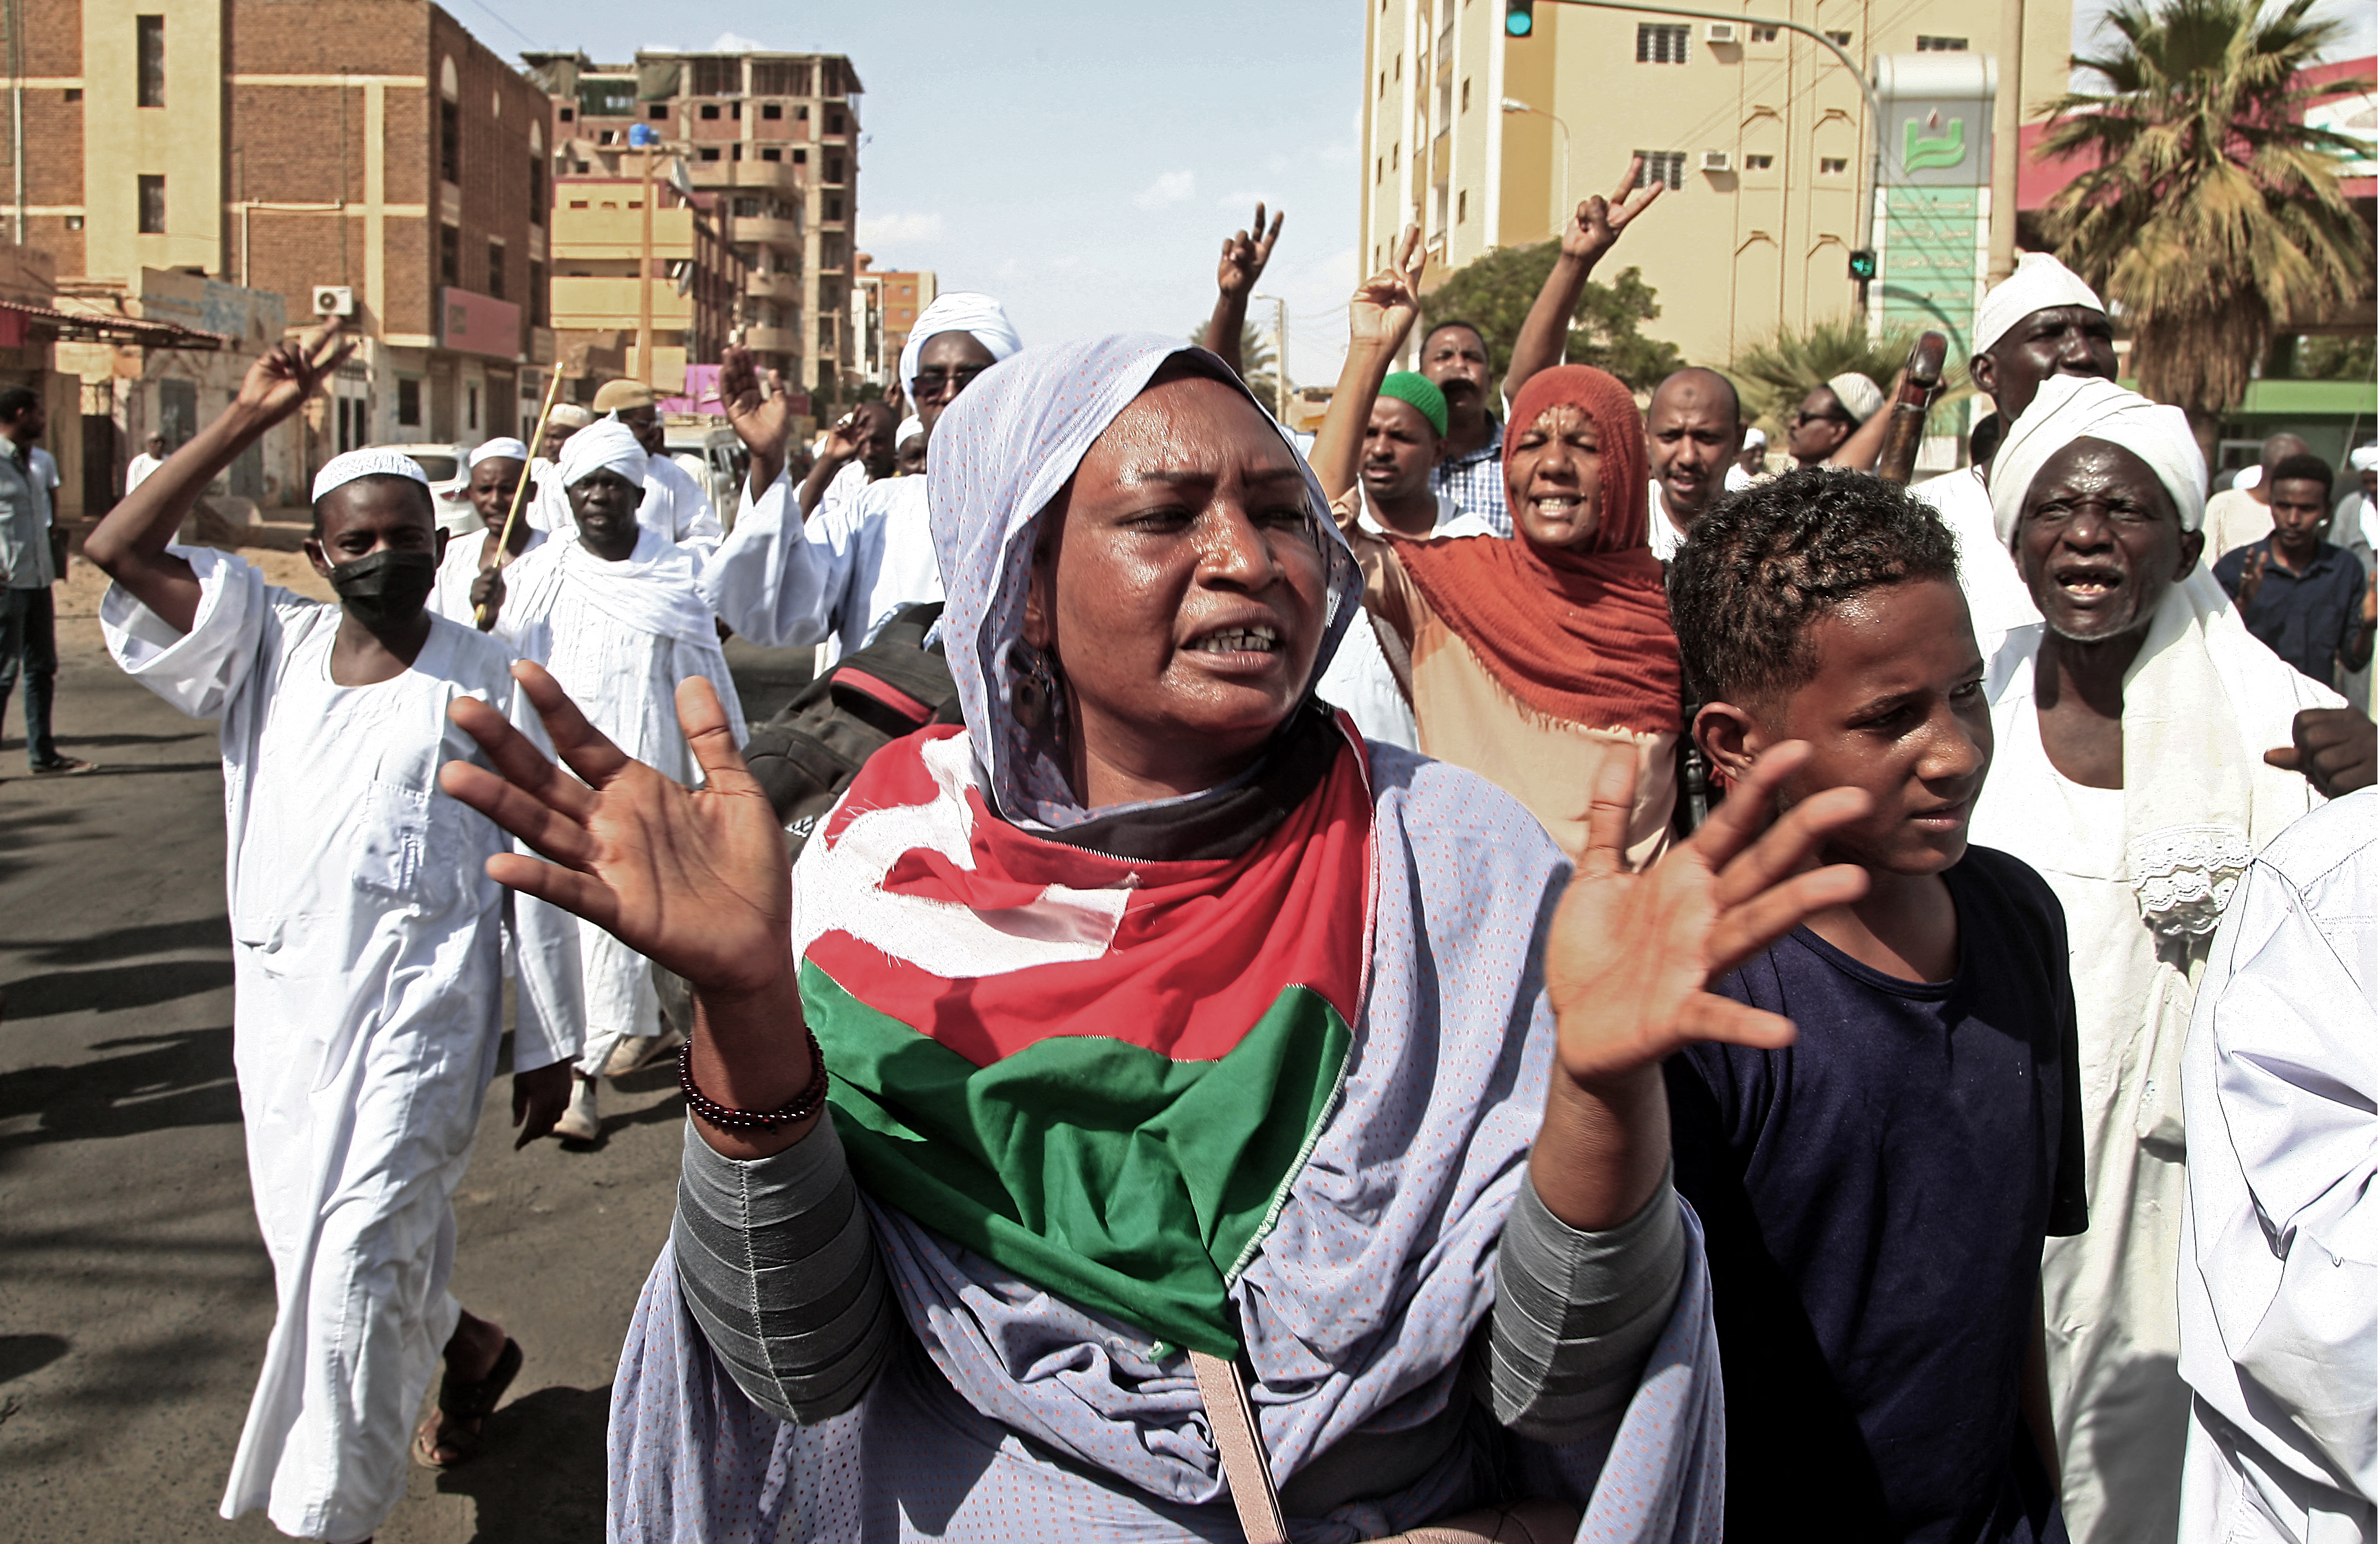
x: 367, y: 947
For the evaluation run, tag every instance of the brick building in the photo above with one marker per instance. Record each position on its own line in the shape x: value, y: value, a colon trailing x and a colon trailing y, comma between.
x: 776, y: 135
x: 371, y: 147
x: 884, y: 308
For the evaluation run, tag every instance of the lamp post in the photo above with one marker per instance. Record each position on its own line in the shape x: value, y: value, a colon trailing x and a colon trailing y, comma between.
x: 1561, y: 209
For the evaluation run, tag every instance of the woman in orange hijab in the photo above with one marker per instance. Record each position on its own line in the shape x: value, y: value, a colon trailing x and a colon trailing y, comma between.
x: 1532, y: 660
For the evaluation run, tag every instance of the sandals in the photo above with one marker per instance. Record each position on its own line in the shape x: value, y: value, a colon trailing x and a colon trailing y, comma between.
x: 462, y: 1407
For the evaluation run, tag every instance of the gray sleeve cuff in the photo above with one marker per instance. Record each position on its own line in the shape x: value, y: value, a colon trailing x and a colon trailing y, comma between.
x: 1576, y: 1315
x: 776, y: 1260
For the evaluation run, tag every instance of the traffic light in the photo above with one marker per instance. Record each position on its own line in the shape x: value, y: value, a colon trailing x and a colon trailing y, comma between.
x: 1863, y: 264
x: 1519, y: 18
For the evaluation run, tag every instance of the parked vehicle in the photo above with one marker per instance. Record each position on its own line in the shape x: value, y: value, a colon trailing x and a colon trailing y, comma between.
x: 450, y: 480
x: 713, y: 456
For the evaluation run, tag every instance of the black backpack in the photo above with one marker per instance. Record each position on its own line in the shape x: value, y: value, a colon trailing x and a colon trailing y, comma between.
x: 807, y: 755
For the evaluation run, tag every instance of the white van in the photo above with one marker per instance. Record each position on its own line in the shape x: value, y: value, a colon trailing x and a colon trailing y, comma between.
x: 448, y: 469
x: 713, y: 456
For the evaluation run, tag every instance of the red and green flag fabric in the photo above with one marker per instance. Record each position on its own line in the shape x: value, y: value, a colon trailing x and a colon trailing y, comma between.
x: 1101, y: 1073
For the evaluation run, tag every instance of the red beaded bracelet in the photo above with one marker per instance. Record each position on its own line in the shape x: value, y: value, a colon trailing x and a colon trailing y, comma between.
x: 805, y: 1105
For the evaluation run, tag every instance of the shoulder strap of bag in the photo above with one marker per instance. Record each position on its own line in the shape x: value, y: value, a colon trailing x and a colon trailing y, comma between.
x: 1224, y: 1390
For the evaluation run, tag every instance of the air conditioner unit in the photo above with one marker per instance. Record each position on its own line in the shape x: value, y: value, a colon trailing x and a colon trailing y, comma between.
x: 1720, y: 31
x: 1718, y: 161
x: 333, y: 300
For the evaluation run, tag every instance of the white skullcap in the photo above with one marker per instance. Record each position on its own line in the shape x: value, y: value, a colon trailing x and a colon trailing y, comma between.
x: 606, y: 443
x: 2040, y: 283
x: 343, y: 469
x: 501, y: 447
x: 1861, y: 397
x: 2072, y: 407
x: 909, y: 426
x: 569, y: 414
x: 959, y: 311
x: 2364, y: 458
x: 1756, y: 439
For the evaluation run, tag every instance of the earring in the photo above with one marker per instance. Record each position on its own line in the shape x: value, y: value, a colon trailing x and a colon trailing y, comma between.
x: 1033, y: 689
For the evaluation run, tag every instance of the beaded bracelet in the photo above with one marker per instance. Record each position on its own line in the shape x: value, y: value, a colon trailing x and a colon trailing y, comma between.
x: 805, y: 1104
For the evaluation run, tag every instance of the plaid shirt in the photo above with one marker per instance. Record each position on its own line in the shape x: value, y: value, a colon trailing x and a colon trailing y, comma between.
x: 1475, y: 482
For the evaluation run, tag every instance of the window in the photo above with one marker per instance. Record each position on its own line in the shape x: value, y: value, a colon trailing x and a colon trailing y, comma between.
x: 149, y: 51
x: 1940, y: 45
x: 735, y: 152
x: 709, y: 153
x: 577, y: 203
x: 1461, y: 206
x: 834, y: 121
x: 1392, y: 155
x: 74, y: 93
x: 606, y: 96
x: 1833, y: 166
x: 1466, y: 93
x: 450, y: 255
x: 780, y: 77
x: 801, y: 157
x: 1658, y: 42
x: 834, y: 168
x: 471, y: 406
x: 1667, y: 167
x: 1840, y: 39
x: 153, y: 205
x: 496, y: 269
x: 1397, y: 68
x: 658, y: 110
x: 772, y: 152
x: 537, y: 295
x: 834, y: 206
x: 408, y: 401
x: 1384, y: 85
x: 736, y: 110
x: 772, y: 110
x: 567, y: 114
x: 1758, y: 162
x: 537, y: 194
x: 718, y: 76
x: 450, y: 140
x: 710, y: 112
x: 1764, y: 34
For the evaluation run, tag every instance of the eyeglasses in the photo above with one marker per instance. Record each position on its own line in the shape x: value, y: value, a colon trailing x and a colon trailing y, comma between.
x: 1800, y: 418
x: 930, y: 383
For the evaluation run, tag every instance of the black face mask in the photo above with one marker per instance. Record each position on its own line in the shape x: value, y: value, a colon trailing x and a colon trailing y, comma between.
x: 384, y: 588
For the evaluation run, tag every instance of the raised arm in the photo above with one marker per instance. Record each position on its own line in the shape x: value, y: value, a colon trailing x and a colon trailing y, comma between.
x: 130, y: 544
x: 1242, y: 264
x: 1866, y: 445
x: 1589, y: 232
x: 1380, y: 315
x: 761, y: 414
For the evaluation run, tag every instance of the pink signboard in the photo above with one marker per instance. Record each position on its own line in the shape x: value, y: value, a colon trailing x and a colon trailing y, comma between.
x: 478, y: 324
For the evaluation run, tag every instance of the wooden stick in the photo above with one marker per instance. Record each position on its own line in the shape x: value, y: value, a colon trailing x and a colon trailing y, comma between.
x: 520, y: 489
x: 1906, y: 430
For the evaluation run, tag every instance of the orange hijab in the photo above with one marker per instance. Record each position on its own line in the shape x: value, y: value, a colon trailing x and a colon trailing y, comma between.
x: 1581, y: 634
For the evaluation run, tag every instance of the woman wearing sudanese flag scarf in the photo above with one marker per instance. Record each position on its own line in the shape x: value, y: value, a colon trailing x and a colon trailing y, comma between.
x: 1538, y: 661
x: 1148, y: 1112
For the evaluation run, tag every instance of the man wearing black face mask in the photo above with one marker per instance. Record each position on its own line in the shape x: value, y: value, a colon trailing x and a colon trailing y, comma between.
x: 613, y: 612
x: 368, y: 946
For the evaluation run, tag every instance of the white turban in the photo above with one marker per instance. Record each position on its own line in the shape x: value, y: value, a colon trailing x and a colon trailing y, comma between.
x: 341, y: 470
x: 959, y: 311
x: 2040, y: 283
x: 2363, y: 458
x: 502, y: 447
x: 909, y: 426
x: 1861, y: 397
x: 2072, y: 407
x: 1756, y: 439
x: 607, y: 442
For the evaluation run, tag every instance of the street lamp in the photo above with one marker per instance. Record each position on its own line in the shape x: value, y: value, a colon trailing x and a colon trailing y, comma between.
x: 1562, y: 212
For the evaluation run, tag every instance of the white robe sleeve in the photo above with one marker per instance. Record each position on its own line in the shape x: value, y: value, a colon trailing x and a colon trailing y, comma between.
x: 201, y: 670
x: 549, y: 1006
x: 698, y: 523
x: 777, y: 578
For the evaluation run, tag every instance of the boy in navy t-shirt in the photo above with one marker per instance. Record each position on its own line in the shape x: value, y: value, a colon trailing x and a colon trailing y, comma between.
x: 1875, y: 1195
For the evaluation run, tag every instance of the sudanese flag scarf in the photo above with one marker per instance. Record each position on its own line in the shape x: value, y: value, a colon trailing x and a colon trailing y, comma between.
x: 1582, y: 634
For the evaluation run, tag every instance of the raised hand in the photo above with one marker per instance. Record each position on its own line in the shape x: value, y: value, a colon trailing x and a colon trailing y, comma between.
x: 1598, y: 222
x: 2251, y: 577
x: 696, y: 880
x: 1245, y: 256
x: 286, y: 375
x: 758, y: 410
x: 1384, y: 308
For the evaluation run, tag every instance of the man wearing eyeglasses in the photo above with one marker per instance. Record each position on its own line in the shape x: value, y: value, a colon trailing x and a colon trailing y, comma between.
x: 1828, y: 416
x: 785, y: 578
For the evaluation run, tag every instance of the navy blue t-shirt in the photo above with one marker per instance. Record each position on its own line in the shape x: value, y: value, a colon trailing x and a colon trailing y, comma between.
x: 1875, y: 1198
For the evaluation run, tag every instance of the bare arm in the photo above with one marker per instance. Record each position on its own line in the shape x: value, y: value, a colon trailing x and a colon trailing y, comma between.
x: 1585, y: 238
x: 1630, y: 959
x: 130, y: 544
x: 1236, y: 274
x: 1379, y: 318
x: 763, y: 416
x: 1861, y: 451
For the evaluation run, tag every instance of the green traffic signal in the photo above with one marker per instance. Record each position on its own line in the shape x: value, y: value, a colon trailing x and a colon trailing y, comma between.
x: 1863, y: 264
x: 1519, y: 19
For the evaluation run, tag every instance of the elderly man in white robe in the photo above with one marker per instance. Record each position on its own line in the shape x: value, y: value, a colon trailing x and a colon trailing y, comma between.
x: 2040, y: 321
x: 784, y: 581
x: 2277, y: 1248
x: 612, y: 612
x: 2147, y: 746
x: 367, y: 942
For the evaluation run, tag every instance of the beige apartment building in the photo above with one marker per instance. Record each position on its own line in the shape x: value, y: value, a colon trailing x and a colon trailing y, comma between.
x: 1766, y: 140
x: 690, y: 288
x: 364, y: 157
x: 777, y: 137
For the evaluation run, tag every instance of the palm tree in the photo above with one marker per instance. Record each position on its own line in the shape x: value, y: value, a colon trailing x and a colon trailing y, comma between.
x: 1256, y: 363
x: 1774, y: 374
x: 2212, y: 215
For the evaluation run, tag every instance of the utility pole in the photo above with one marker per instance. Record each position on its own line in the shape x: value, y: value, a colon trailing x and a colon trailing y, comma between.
x: 1280, y: 356
x: 645, y: 279
x: 2008, y: 123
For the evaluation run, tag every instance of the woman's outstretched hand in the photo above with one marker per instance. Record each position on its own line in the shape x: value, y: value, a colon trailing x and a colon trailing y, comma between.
x: 1630, y: 959
x: 694, y: 879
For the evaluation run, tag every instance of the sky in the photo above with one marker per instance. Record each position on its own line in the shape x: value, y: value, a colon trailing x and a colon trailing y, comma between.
x: 1084, y: 162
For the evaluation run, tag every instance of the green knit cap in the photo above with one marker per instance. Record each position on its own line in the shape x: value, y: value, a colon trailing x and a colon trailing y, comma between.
x: 1407, y: 386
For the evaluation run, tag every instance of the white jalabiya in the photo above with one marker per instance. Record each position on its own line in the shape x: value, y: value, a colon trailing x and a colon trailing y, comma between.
x: 1359, y: 677
x: 2141, y: 872
x: 2282, y: 1225
x: 138, y: 469
x: 459, y: 570
x: 1996, y: 598
x: 783, y: 582
x: 367, y: 942
x: 619, y: 637
x: 674, y: 507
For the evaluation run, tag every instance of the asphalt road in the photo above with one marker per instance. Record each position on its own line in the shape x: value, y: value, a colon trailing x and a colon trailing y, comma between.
x: 135, y: 1295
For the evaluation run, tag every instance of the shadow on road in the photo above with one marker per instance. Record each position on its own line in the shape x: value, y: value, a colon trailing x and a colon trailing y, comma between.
x: 114, y: 987
x: 126, y: 942
x: 178, y: 1079
x: 531, y: 1483
x: 22, y: 1353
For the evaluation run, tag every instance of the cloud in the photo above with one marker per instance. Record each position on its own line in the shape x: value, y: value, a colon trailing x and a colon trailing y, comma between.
x: 1245, y: 203
x: 735, y: 42
x: 1173, y: 188
x: 881, y: 230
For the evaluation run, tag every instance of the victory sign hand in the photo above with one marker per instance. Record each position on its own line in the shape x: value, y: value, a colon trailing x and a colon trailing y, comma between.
x: 1384, y: 308
x: 287, y: 374
x: 1245, y: 256
x: 1596, y: 226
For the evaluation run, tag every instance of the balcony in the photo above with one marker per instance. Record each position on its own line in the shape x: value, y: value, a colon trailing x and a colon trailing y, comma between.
x: 766, y: 231
x: 776, y: 177
x: 773, y: 340
x: 613, y: 303
x: 783, y: 289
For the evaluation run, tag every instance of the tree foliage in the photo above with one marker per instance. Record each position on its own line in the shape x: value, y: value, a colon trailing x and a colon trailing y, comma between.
x: 2214, y: 214
x: 1494, y: 293
x: 1774, y: 374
